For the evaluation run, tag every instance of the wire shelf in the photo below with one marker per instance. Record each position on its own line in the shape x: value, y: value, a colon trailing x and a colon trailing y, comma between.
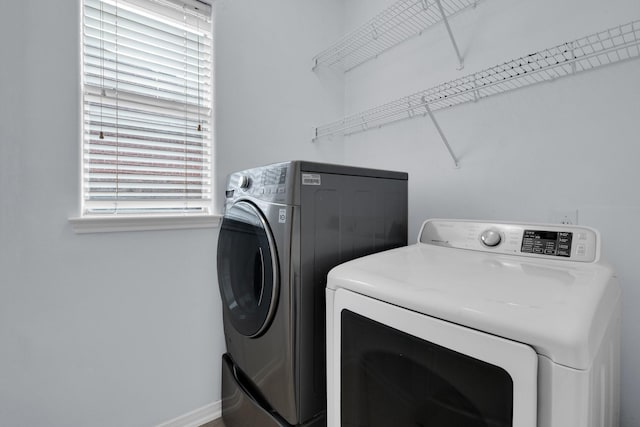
x: 607, y: 47
x: 401, y: 21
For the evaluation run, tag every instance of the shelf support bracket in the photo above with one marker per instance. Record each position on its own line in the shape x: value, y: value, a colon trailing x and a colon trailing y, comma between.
x: 444, y: 138
x: 453, y: 40
x: 573, y: 57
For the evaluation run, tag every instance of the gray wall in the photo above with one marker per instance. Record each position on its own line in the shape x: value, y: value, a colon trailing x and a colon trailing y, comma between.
x: 267, y: 99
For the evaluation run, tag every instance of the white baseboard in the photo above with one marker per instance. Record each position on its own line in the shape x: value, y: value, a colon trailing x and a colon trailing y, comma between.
x: 196, y: 417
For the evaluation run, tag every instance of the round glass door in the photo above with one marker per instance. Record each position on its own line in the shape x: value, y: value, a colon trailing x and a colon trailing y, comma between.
x: 247, y: 269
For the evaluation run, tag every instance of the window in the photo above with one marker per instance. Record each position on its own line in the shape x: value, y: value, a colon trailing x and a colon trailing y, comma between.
x: 147, y: 107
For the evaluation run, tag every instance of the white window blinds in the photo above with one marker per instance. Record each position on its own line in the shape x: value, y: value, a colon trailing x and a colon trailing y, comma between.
x: 147, y: 102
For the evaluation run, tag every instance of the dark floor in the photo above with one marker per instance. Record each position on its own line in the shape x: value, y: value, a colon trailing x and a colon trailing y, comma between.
x: 214, y: 423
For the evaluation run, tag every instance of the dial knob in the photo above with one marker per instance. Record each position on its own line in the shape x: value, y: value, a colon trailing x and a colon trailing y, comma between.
x: 245, y: 182
x: 490, y: 238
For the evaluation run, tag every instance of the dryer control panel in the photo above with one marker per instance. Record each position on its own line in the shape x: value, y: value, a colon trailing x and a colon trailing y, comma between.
x: 549, y: 241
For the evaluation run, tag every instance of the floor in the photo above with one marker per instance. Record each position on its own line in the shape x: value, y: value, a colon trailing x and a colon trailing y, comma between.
x: 214, y: 423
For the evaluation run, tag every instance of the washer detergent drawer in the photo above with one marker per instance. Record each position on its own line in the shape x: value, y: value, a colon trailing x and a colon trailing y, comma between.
x: 241, y: 405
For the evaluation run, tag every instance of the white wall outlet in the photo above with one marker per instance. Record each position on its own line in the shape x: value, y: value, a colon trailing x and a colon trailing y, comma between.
x: 564, y: 216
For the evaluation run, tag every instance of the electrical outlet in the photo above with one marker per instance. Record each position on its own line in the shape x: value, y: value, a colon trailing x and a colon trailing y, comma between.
x: 564, y: 216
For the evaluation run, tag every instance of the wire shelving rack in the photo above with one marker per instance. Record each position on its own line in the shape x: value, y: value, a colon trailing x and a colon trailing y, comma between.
x: 613, y: 45
x: 399, y: 22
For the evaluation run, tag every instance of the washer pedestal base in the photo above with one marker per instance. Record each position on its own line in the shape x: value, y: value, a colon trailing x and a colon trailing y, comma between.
x: 244, y: 406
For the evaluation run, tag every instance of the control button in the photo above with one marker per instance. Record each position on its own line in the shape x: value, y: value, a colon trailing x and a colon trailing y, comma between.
x: 245, y: 182
x: 581, y: 250
x: 490, y: 238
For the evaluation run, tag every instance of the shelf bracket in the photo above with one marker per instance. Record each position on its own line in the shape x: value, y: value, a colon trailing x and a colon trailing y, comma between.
x: 374, y: 32
x: 453, y: 40
x: 573, y: 57
x: 444, y: 138
x: 476, y: 92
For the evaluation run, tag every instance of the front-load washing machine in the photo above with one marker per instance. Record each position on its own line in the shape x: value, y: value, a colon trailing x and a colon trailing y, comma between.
x: 284, y: 227
x: 477, y: 325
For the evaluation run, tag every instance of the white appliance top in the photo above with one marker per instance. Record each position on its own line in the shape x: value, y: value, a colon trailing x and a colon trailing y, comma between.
x: 542, y: 285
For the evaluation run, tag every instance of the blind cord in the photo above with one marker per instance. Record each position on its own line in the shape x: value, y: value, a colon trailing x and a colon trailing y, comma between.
x: 186, y: 106
x: 117, y: 177
x: 102, y: 90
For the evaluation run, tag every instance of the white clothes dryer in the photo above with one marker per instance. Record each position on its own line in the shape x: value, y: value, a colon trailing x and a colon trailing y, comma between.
x: 478, y: 325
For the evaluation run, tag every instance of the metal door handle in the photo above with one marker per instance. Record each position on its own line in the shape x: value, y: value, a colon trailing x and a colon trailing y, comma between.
x: 261, y: 276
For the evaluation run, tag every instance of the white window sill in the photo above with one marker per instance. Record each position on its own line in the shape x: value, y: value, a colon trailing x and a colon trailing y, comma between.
x: 110, y: 224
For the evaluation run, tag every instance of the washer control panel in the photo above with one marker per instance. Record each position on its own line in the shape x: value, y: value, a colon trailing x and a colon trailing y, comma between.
x: 268, y: 183
x: 550, y: 241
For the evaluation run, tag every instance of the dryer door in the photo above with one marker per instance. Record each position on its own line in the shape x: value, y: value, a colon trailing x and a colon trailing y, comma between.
x: 247, y: 269
x: 391, y: 366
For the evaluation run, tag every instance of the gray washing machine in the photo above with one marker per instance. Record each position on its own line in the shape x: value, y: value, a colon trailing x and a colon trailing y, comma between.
x: 285, y: 226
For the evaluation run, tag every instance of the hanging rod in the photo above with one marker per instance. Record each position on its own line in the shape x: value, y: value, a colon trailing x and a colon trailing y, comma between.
x: 401, y: 21
x: 607, y: 47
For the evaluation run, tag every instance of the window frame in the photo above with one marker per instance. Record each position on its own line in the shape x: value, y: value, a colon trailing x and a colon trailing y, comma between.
x: 86, y: 222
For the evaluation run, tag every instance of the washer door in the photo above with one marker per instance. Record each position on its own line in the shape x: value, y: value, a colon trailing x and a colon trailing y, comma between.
x: 247, y: 269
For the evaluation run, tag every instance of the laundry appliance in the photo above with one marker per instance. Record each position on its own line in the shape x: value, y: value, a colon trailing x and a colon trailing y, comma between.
x: 285, y: 226
x: 479, y: 324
